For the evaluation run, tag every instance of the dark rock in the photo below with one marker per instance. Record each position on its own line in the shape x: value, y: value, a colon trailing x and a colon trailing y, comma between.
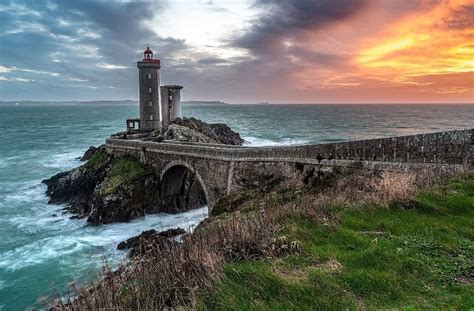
x: 91, y: 151
x: 170, y: 233
x: 98, y: 192
x: 149, y: 240
x: 134, y: 241
x: 194, y: 130
x: 76, y: 187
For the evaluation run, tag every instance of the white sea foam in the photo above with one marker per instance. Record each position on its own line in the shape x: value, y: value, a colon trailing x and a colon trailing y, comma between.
x: 66, y: 160
x: 90, y: 241
x: 24, y: 192
x: 258, y: 142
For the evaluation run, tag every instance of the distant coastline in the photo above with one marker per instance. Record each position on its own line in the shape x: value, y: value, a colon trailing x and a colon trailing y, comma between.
x: 204, y: 102
x: 67, y: 102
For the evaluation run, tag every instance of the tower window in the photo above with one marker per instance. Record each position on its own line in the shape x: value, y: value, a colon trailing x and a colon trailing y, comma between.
x: 149, y: 90
x: 151, y: 117
x: 149, y: 76
x: 151, y: 104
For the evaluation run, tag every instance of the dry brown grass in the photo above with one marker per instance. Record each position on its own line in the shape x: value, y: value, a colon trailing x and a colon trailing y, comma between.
x: 172, y: 275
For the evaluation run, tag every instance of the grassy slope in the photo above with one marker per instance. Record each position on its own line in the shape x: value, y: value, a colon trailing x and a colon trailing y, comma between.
x: 402, y: 258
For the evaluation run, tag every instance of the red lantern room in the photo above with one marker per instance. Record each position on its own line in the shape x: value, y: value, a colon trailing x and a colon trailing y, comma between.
x: 148, y: 56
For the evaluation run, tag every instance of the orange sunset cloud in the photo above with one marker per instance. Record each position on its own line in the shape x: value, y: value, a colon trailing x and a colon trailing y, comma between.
x: 423, y: 55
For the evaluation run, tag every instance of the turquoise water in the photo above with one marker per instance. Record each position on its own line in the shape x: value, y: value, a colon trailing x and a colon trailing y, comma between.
x: 42, y: 250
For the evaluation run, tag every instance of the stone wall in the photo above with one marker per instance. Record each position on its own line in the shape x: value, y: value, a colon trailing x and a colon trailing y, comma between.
x: 452, y: 148
x: 223, y: 169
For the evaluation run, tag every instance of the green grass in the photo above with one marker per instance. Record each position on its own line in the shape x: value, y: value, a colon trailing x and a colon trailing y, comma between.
x: 409, y: 258
x: 124, y: 170
x: 96, y: 160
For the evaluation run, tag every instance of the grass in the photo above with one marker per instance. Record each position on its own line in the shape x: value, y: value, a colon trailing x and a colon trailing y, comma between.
x: 369, y: 241
x: 124, y: 170
x: 419, y: 256
x: 98, y: 159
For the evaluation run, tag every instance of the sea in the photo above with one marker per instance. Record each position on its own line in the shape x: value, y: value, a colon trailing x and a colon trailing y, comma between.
x: 43, y: 252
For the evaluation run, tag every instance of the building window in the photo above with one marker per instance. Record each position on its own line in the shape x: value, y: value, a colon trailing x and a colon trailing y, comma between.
x: 149, y: 90
x: 151, y: 118
x: 151, y: 104
x: 149, y: 76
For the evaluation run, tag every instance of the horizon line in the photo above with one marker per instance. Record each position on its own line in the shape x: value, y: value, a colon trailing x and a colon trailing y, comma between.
x: 250, y: 103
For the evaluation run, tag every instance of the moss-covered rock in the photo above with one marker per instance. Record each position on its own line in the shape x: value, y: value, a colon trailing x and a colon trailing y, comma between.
x: 106, y: 189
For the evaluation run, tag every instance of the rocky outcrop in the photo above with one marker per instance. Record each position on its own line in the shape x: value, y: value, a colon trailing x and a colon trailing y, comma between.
x: 140, y: 245
x: 91, y: 151
x: 194, y: 130
x: 106, y: 189
x: 183, y: 133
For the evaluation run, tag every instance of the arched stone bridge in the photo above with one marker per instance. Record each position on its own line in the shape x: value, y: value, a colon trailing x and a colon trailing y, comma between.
x: 222, y: 169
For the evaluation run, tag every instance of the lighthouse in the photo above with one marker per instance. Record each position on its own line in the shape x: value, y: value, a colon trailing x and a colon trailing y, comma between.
x: 159, y: 105
x: 149, y: 91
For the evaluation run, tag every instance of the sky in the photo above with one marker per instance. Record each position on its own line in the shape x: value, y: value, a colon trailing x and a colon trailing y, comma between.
x: 279, y: 51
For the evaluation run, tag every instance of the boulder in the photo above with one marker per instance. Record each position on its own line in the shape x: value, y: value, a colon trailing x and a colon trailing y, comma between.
x: 148, y: 240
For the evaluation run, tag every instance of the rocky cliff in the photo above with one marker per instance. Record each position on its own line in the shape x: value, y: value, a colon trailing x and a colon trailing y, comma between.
x: 113, y: 189
x: 106, y: 189
x: 194, y: 130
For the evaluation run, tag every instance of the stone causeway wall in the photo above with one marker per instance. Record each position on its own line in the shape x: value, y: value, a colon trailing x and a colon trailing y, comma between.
x: 440, y: 148
x: 223, y: 169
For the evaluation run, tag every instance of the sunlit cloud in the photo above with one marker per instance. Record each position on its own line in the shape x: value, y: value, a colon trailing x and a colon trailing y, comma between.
x: 111, y: 66
x: 2, y: 78
x: 439, y: 41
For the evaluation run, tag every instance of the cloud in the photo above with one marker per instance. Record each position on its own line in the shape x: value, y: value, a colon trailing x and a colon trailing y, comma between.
x: 111, y: 66
x: 60, y: 43
x: 274, y: 50
x: 286, y: 20
x: 2, y: 78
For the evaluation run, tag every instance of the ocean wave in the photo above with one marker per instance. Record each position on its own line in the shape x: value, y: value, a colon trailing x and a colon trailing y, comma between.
x: 7, y: 161
x: 21, y: 192
x: 68, y: 242
x: 67, y: 160
x: 258, y: 142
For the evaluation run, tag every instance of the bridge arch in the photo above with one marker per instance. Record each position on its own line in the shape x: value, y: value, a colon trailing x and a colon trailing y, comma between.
x: 172, y: 178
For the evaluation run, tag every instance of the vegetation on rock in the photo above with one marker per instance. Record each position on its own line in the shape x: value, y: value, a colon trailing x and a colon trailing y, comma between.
x: 106, y: 189
x: 124, y: 170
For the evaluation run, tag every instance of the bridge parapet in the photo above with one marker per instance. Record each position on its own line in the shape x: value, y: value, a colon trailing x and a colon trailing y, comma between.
x: 223, y: 169
x: 451, y: 147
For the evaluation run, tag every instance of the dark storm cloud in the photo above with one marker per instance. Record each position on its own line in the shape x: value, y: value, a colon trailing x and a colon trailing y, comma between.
x: 75, y: 47
x: 316, y: 57
x: 212, y: 61
x: 285, y: 19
